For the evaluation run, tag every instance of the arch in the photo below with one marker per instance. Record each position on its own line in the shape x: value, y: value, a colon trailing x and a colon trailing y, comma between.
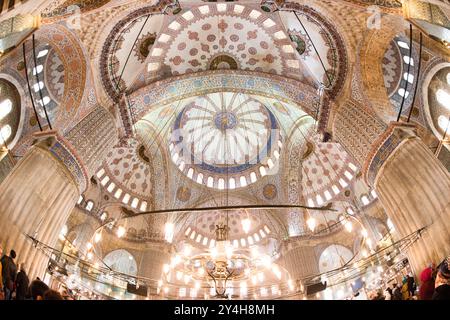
x: 334, y: 257
x: 122, y: 261
x: 68, y: 48
x: 22, y: 104
x: 177, y: 88
x: 371, y: 55
x: 428, y: 75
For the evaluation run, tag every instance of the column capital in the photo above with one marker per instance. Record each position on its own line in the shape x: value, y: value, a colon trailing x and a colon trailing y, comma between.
x: 63, y: 151
x: 384, y: 146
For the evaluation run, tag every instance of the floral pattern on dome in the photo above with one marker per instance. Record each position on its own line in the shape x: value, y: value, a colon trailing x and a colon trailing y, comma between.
x: 241, y: 36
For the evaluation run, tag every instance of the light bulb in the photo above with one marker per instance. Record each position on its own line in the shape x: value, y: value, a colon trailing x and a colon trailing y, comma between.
x: 246, y: 224
x: 311, y: 222
x: 214, y: 252
x: 364, y: 253
x: 97, y: 237
x: 229, y: 251
x: 166, y: 268
x: 348, y: 226
x: 187, y: 250
x: 261, y: 277
x: 364, y: 233
x: 254, y: 252
x: 121, y: 231
x: 64, y: 231
x: 89, y: 246
x: 266, y: 261
x: 169, y: 231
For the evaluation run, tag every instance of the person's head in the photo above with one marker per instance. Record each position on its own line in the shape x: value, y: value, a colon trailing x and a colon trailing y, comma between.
x: 37, y: 289
x: 444, y: 270
x: 12, y: 254
x: 443, y: 274
x: 52, y: 295
x: 432, y: 265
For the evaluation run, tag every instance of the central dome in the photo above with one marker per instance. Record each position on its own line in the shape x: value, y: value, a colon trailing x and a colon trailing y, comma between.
x: 225, y: 140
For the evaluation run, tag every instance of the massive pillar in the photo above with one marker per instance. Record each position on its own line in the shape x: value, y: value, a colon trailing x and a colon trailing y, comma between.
x: 38, y: 195
x: 412, y: 185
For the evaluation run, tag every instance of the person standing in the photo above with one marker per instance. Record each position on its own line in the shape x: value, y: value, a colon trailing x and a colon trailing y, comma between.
x: 405, y: 289
x: 9, y: 272
x: 22, y: 283
x: 388, y: 293
x: 397, y: 292
x: 442, y: 284
x: 426, y: 289
x: 411, y: 286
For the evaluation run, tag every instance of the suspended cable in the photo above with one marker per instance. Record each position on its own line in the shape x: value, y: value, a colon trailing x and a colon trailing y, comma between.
x: 39, y: 87
x: 29, y: 87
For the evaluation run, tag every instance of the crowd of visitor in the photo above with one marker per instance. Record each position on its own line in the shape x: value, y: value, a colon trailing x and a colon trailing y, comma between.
x: 15, y: 284
x: 434, y: 284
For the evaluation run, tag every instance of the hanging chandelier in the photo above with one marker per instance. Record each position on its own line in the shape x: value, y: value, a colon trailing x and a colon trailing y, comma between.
x: 223, y: 272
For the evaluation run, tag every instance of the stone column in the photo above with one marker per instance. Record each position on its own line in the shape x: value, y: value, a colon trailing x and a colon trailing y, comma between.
x: 412, y: 185
x: 38, y: 195
x: 35, y: 199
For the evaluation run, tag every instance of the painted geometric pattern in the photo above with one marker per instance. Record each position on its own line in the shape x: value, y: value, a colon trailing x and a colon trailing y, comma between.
x: 54, y: 76
x: 168, y: 91
x: 392, y: 68
x: 249, y: 36
x: 128, y: 167
x: 326, y: 171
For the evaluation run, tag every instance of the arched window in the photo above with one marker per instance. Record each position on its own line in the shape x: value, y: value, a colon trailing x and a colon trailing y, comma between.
x: 5, y: 108
x: 407, y: 60
x: 38, y: 86
x: 42, y: 53
x: 364, y: 200
x: 80, y: 199
x: 38, y: 69
x: 121, y: 261
x: 104, y: 216
x: 89, y: 205
x: 402, y: 92
x: 45, y: 101
x: 443, y: 122
x: 443, y: 98
x: 5, y: 132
